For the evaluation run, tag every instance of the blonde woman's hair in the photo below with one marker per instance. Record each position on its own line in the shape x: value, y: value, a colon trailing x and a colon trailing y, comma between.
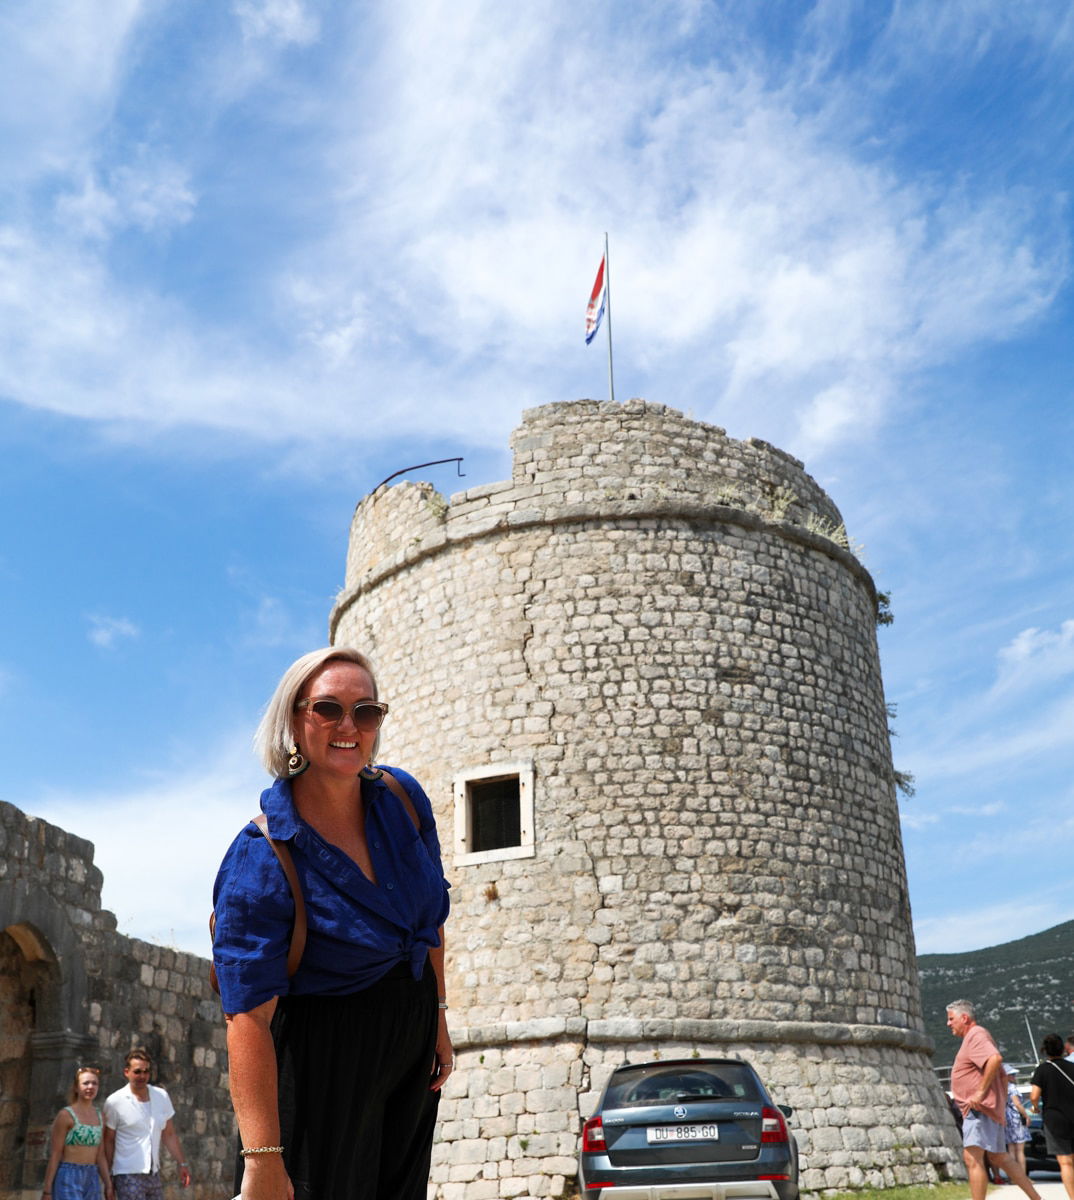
x: 275, y: 735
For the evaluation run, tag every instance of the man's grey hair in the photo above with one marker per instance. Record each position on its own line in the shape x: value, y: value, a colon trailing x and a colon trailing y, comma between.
x: 963, y: 1006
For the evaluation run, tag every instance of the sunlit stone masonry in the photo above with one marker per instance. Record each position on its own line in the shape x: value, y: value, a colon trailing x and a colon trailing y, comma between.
x: 640, y: 682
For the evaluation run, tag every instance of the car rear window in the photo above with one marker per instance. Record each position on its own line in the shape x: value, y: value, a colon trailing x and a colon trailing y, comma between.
x: 669, y: 1083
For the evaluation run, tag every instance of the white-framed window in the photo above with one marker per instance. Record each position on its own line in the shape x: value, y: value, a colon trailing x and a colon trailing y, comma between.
x: 494, y: 813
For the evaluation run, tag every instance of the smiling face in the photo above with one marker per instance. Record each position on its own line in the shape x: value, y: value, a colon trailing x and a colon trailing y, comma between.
x: 340, y: 749
x: 87, y: 1084
x: 959, y: 1023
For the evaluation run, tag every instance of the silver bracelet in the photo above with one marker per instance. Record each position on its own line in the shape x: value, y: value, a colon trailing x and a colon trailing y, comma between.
x: 442, y: 1005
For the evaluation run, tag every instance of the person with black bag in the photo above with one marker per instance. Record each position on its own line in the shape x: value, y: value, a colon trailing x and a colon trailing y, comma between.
x: 336, y: 1059
x: 1052, y: 1084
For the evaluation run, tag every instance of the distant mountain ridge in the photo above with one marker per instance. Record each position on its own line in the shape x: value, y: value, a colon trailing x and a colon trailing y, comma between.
x: 1032, y: 977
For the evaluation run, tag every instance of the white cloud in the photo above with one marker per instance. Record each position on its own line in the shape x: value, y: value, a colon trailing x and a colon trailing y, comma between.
x: 978, y: 810
x: 975, y: 926
x: 745, y: 236
x: 915, y: 818
x: 61, y: 62
x: 1022, y: 720
x: 464, y: 169
x: 105, y: 632
x: 1035, y: 658
x: 159, y: 843
x: 978, y: 746
x: 1044, y: 823
x: 273, y: 622
x: 286, y: 21
x: 147, y: 196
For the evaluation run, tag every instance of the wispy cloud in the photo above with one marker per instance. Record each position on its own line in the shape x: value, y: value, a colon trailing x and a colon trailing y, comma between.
x: 457, y: 231
x: 62, y: 63
x: 1024, y: 715
x: 148, y: 196
x: 1034, y: 659
x: 286, y: 21
x: 979, y: 926
x: 1041, y: 825
x: 128, y: 824
x: 915, y: 819
x: 107, y: 632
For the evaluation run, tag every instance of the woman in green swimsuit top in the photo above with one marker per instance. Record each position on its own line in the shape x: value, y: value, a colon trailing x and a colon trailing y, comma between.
x: 77, y: 1168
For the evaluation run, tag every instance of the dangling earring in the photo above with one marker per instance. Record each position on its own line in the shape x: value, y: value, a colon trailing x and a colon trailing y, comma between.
x: 296, y: 764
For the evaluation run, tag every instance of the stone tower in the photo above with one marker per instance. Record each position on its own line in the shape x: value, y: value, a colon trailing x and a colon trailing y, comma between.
x: 640, y: 683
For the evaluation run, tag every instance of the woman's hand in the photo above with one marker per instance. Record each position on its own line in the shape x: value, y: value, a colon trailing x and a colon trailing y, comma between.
x: 443, y: 1057
x: 265, y: 1178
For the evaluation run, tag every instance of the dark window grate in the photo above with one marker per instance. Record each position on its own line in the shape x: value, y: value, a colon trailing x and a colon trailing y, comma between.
x: 495, y: 816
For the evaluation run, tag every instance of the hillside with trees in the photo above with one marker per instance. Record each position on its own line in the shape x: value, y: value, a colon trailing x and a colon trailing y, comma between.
x: 1032, y: 978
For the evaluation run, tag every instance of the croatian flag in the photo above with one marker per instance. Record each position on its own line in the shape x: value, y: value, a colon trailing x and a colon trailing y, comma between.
x: 595, y: 309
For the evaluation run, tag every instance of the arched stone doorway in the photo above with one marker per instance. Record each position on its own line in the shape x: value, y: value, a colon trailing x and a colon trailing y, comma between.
x: 17, y: 1006
x: 43, y: 1033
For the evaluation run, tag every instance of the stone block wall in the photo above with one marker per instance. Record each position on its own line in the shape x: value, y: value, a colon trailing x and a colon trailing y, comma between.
x: 669, y: 625
x: 74, y: 991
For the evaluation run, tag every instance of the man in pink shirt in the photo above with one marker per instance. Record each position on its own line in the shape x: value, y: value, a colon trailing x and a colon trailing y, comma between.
x: 979, y: 1087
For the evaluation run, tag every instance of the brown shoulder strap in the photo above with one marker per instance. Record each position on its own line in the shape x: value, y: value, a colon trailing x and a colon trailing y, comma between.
x: 298, y: 930
x: 399, y: 790
x: 298, y: 934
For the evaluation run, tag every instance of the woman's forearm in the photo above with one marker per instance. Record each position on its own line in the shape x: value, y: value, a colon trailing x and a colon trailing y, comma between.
x: 102, y: 1170
x: 444, y: 1058
x: 436, y: 960
x: 252, y: 1071
x: 252, y: 1076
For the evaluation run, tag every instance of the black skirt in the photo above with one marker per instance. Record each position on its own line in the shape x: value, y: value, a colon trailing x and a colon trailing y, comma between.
x: 356, y: 1113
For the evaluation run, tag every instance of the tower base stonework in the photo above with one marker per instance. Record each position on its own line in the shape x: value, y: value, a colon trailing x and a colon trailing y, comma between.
x: 652, y: 655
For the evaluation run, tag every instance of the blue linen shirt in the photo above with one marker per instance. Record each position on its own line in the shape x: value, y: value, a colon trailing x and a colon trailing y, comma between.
x: 358, y: 930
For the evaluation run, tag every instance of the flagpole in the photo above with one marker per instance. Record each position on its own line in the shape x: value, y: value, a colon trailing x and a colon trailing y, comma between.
x: 608, y: 315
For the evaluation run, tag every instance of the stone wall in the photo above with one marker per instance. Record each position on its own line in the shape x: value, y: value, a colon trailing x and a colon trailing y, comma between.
x: 74, y: 991
x: 668, y: 624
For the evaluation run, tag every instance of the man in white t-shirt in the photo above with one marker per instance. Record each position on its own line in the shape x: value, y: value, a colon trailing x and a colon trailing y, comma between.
x: 137, y: 1119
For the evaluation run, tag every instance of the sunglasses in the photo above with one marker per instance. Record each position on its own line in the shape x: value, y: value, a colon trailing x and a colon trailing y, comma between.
x: 367, y: 715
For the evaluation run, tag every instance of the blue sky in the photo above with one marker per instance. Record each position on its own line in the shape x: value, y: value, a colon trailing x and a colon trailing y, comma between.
x: 256, y: 255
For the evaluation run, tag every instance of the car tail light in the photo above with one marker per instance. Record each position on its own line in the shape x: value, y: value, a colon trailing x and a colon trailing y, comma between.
x: 773, y: 1126
x: 773, y: 1177
x: 593, y: 1137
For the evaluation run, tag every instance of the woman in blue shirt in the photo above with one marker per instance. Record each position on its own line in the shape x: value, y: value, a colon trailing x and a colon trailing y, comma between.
x: 336, y: 1070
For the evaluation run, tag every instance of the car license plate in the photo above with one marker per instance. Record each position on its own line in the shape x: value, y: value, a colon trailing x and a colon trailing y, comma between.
x: 682, y: 1133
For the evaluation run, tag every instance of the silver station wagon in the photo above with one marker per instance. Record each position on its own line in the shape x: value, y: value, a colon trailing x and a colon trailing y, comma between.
x: 688, y: 1129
